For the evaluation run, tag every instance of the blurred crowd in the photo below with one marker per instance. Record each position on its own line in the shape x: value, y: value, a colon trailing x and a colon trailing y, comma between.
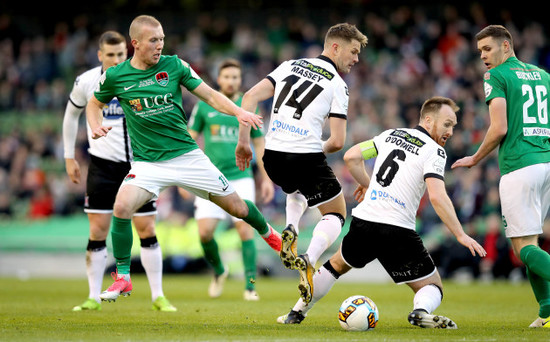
x: 413, y: 53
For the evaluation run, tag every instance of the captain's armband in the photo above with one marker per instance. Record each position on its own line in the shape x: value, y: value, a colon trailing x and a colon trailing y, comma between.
x: 368, y: 150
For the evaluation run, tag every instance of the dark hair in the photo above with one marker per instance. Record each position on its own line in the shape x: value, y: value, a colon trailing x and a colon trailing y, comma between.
x: 111, y: 38
x: 434, y: 104
x: 497, y: 32
x: 346, y: 31
x: 228, y: 63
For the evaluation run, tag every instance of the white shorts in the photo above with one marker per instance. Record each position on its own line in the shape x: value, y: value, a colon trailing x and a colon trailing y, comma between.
x: 525, y: 199
x: 245, y: 187
x: 192, y: 171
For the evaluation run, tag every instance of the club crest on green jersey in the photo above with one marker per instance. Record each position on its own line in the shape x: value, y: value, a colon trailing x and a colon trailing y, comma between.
x: 162, y: 78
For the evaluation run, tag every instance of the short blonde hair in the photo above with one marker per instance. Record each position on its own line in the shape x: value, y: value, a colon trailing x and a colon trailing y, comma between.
x: 140, y: 21
x: 347, y: 32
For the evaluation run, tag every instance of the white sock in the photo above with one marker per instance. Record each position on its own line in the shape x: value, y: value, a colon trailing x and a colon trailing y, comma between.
x: 296, y: 205
x: 428, y: 298
x: 96, y: 261
x: 269, y: 232
x: 123, y: 276
x: 323, y: 280
x: 151, y: 259
x: 324, y: 234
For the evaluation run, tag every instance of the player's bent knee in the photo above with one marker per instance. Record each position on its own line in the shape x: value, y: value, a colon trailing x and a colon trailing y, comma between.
x: 434, y: 280
x: 122, y: 210
x: 145, y: 231
x: 206, y: 235
x: 338, y: 264
x: 145, y: 225
x: 99, y: 225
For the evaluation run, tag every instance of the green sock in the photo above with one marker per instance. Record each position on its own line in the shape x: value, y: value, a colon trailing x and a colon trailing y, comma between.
x: 255, y: 218
x: 249, y: 261
x: 122, y: 238
x: 538, y: 272
x: 537, y: 260
x: 212, y: 256
x: 541, y: 289
x: 544, y: 310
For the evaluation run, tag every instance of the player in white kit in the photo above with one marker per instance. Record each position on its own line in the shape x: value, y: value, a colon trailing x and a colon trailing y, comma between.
x: 306, y: 92
x: 109, y: 164
x: 409, y: 161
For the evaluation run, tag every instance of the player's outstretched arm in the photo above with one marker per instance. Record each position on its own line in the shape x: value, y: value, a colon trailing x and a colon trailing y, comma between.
x: 260, y: 92
x: 94, y: 115
x: 495, y: 133
x: 445, y: 210
x: 223, y: 104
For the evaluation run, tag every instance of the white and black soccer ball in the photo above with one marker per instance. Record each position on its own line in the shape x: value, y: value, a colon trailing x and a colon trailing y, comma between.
x: 358, y: 313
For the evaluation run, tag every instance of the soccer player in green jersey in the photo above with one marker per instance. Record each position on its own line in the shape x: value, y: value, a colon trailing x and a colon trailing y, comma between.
x: 517, y: 95
x: 148, y: 87
x: 220, y: 133
x: 109, y: 163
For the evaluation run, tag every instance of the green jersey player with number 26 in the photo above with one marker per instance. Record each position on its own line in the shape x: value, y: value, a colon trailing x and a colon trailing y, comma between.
x: 517, y: 95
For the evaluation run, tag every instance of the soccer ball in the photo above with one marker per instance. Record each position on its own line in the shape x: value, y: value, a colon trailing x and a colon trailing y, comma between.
x: 358, y: 313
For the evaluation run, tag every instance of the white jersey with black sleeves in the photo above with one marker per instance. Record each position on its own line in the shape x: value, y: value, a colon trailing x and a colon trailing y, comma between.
x: 406, y: 157
x: 307, y: 92
x: 116, y: 145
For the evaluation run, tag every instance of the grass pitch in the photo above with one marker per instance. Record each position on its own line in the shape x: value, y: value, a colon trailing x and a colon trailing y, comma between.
x: 40, y: 310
